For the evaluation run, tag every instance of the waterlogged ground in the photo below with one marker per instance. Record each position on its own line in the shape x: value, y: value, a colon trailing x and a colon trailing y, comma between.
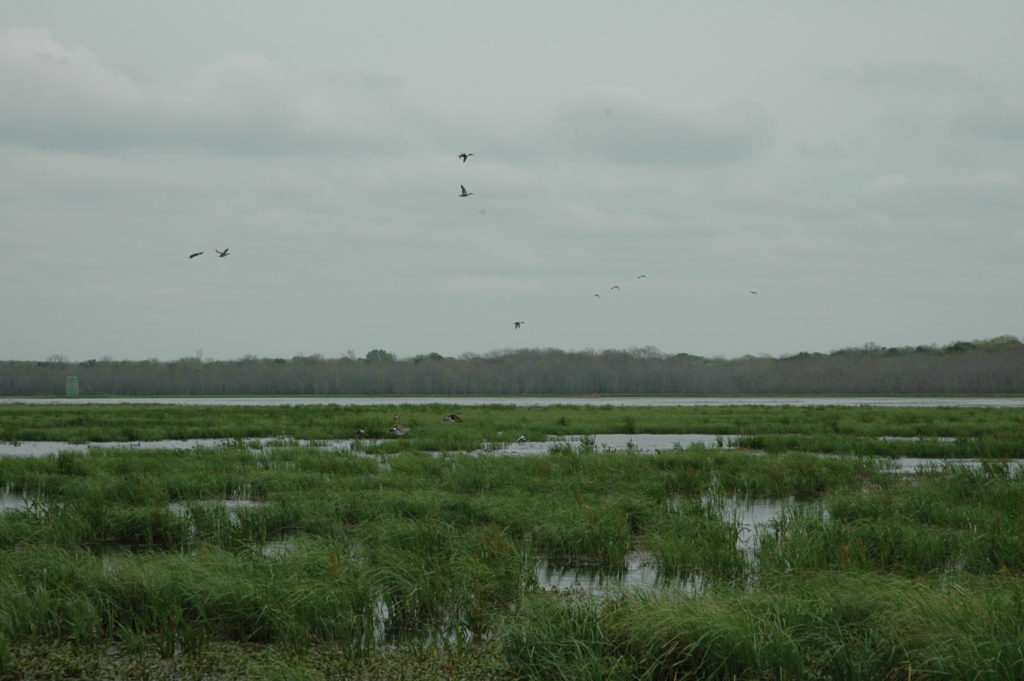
x: 459, y: 552
x: 641, y: 443
x: 644, y: 443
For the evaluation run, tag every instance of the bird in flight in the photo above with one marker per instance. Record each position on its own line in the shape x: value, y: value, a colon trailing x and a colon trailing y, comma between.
x: 464, y: 192
x: 597, y: 295
x: 642, y: 276
x: 616, y: 288
x: 223, y: 253
x: 518, y: 324
x: 464, y: 156
x: 196, y: 254
x: 753, y: 293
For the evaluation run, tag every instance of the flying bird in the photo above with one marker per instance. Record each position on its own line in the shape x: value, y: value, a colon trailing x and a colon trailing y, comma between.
x: 198, y: 253
x: 753, y: 293
x: 518, y: 324
x: 223, y: 253
x: 464, y: 156
x: 642, y: 276
x: 616, y: 288
x: 464, y: 192
x: 597, y: 295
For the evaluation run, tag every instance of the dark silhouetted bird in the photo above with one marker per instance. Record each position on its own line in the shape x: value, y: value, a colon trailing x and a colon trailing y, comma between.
x: 222, y: 254
x: 464, y: 156
x: 616, y: 288
x: 518, y: 324
x: 464, y: 192
x: 196, y: 254
x: 642, y: 276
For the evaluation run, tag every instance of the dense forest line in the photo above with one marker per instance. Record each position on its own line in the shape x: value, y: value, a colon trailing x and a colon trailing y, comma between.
x: 994, y: 366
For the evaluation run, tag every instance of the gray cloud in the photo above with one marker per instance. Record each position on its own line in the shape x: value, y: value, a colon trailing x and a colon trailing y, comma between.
x: 1000, y: 124
x: 65, y: 98
x: 911, y: 79
x: 623, y: 127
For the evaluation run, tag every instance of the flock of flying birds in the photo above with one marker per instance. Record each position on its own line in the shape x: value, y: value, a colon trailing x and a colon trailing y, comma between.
x: 464, y: 193
x: 465, y: 157
x: 221, y: 254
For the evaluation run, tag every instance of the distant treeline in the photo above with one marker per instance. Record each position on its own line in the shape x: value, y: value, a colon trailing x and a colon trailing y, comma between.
x: 993, y: 366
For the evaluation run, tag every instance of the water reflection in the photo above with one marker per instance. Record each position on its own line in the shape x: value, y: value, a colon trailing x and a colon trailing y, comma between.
x: 231, y: 505
x: 750, y: 516
x: 911, y: 465
x: 639, y: 442
x: 637, y: 572
x: 10, y: 501
x: 49, y: 447
x: 642, y: 443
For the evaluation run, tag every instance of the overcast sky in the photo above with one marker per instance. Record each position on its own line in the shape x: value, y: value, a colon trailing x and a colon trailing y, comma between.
x: 857, y: 163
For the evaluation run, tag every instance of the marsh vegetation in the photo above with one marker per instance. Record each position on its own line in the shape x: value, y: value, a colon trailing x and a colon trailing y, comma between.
x: 411, y: 557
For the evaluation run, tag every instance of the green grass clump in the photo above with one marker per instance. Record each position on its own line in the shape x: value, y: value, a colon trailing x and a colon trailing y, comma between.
x: 835, y: 626
x: 960, y: 519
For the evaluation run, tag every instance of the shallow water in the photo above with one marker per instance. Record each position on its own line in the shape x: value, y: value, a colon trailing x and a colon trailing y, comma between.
x: 13, y: 502
x: 643, y: 443
x: 917, y: 465
x: 752, y: 518
x: 48, y: 447
x: 181, y: 507
x: 637, y: 572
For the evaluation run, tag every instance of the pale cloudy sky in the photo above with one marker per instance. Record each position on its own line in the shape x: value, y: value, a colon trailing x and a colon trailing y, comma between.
x: 858, y: 163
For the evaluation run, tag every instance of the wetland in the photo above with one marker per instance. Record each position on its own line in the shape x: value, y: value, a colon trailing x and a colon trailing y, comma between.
x: 711, y: 541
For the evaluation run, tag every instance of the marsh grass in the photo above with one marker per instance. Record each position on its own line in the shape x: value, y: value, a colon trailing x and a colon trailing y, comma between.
x: 961, y: 519
x: 172, y: 554
x: 493, y: 423
x: 1003, y: 445
x: 839, y: 626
